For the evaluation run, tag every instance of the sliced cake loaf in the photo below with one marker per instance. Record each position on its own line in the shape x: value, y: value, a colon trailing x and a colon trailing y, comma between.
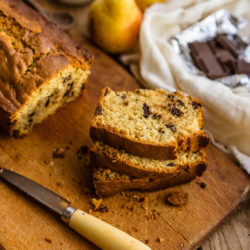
x: 149, y: 123
x: 41, y: 67
x: 108, y: 182
x: 136, y: 166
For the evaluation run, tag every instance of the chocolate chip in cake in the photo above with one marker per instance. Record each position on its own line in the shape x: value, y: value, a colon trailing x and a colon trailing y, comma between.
x: 67, y: 78
x: 188, y: 144
x: 47, y: 102
x: 171, y: 127
x: 156, y: 116
x: 171, y: 164
x: 180, y: 102
x: 58, y: 153
x: 196, y: 105
x: 203, y: 141
x: 160, y: 130
x: 48, y: 240
x: 146, y: 110
x: 83, y: 150
x: 83, y: 86
x: 123, y: 96
x: 16, y: 134
x: 171, y: 97
x: 201, y: 168
x: 98, y: 110
x: 175, y: 112
x: 125, y: 103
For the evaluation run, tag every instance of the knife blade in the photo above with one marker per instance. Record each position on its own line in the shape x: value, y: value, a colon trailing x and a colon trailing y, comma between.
x: 97, y: 231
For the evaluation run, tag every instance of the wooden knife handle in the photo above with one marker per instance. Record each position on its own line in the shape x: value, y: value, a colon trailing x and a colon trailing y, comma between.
x: 103, y: 234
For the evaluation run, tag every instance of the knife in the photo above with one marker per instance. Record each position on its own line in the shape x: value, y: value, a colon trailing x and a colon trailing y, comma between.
x: 95, y: 230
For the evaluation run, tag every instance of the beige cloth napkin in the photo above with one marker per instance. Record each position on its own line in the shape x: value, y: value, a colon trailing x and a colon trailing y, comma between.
x: 227, y: 116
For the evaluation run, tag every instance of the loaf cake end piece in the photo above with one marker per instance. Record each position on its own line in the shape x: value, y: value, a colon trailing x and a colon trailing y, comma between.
x: 42, y: 68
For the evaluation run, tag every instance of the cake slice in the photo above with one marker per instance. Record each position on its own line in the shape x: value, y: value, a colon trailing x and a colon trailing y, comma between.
x: 136, y: 166
x: 108, y: 182
x: 42, y: 68
x: 149, y: 123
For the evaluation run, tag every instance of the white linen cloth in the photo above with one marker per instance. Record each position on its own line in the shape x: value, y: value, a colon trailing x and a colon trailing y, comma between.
x: 227, y: 112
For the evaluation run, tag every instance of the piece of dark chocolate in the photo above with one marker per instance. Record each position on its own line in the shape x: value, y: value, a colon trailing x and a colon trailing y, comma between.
x: 242, y: 67
x: 228, y: 44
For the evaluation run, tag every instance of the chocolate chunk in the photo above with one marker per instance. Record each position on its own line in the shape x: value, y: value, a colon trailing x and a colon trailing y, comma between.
x: 83, y: 150
x: 125, y: 103
x: 16, y: 134
x: 47, y: 102
x: 98, y: 110
x: 180, y: 102
x: 161, y: 131
x: 201, y: 168
x: 48, y: 240
x: 171, y: 164
x: 83, y: 86
x: 175, y: 112
x: 146, y: 110
x: 203, y: 141
x: 196, y: 105
x: 188, y: 144
x: 67, y: 78
x: 171, y: 97
x: 205, y: 60
x: 58, y: 153
x: 228, y: 44
x: 171, y: 127
x: 242, y: 67
x: 123, y: 96
x: 156, y: 116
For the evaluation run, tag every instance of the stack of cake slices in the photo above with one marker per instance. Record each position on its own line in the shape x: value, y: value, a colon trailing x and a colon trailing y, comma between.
x: 147, y: 140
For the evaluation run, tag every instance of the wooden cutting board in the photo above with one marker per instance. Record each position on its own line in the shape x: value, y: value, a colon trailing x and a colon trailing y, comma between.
x: 146, y: 216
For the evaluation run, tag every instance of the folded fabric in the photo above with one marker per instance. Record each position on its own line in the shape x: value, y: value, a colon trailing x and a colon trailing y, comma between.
x: 227, y: 115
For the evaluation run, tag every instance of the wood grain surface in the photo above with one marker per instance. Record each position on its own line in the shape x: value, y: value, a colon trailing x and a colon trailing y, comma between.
x: 146, y: 216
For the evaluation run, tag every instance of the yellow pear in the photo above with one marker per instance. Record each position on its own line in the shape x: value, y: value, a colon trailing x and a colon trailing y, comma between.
x: 114, y: 24
x: 143, y: 4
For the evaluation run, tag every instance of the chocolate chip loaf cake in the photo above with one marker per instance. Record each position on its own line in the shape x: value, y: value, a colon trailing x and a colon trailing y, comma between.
x: 149, y: 123
x: 108, y: 182
x: 41, y: 67
x: 123, y: 162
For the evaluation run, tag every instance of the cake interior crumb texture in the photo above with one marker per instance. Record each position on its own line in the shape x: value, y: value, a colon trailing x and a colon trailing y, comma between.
x: 42, y: 68
x: 149, y: 115
x: 63, y: 88
x: 121, y: 161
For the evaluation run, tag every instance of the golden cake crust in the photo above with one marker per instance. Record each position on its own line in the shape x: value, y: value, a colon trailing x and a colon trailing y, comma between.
x: 122, y: 162
x: 105, y: 185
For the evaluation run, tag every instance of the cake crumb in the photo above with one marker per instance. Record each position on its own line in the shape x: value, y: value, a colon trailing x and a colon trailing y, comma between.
x: 83, y: 150
x: 160, y: 240
x: 46, y: 162
x: 202, y: 184
x: 58, y: 153
x: 177, y: 199
x: 48, y: 240
x: 98, y: 205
